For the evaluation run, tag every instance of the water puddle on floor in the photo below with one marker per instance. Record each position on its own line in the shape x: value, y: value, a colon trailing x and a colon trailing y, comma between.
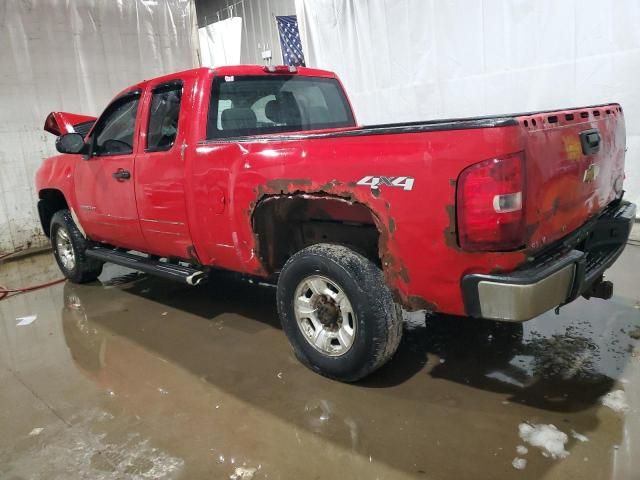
x: 135, y: 377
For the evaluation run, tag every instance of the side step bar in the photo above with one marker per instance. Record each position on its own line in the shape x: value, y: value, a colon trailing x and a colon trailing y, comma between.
x: 170, y: 271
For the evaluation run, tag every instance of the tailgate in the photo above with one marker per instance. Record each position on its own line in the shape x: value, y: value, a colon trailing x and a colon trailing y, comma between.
x: 574, y: 168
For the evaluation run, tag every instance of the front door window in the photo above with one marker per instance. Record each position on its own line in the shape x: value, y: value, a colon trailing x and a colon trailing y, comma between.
x: 116, y: 129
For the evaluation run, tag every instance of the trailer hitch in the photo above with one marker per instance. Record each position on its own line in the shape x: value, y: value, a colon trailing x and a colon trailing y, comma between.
x: 599, y: 289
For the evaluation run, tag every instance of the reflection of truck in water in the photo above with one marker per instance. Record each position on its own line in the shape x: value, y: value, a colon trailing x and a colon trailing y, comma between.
x: 116, y: 346
x: 264, y: 171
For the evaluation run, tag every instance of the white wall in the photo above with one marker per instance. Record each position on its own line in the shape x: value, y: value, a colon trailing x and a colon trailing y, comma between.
x: 259, y: 30
x: 220, y: 42
x: 424, y: 59
x: 72, y: 55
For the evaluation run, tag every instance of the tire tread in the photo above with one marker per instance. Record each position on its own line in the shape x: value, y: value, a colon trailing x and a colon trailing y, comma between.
x: 384, y: 312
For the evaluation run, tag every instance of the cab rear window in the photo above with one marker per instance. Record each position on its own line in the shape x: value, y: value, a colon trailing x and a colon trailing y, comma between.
x: 255, y: 105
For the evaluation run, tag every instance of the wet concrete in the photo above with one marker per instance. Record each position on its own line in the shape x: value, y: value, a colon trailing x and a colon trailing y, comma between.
x: 135, y: 377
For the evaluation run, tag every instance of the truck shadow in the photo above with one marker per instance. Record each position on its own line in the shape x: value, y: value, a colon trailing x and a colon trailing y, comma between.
x: 557, y: 371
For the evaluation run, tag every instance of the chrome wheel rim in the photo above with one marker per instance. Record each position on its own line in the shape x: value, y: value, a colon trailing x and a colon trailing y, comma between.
x: 324, y: 315
x: 65, y: 249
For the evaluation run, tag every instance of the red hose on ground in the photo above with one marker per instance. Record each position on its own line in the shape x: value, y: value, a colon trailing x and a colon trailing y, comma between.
x: 6, y: 292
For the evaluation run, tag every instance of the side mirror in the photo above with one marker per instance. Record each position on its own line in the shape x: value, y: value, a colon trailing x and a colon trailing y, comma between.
x: 70, y: 143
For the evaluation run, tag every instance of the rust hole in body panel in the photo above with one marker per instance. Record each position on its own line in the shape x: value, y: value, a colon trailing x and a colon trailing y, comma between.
x: 450, y: 231
x: 286, y: 222
x: 283, y: 184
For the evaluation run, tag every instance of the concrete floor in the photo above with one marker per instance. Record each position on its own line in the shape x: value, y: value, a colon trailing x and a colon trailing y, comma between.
x: 140, y: 378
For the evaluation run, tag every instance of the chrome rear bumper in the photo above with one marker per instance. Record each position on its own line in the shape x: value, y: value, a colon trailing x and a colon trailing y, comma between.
x: 555, y: 278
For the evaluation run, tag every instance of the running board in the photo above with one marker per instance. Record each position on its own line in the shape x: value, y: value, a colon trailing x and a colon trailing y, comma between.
x: 170, y: 271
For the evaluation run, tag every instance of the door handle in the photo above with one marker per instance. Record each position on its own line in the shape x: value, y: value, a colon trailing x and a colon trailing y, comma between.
x: 121, y: 174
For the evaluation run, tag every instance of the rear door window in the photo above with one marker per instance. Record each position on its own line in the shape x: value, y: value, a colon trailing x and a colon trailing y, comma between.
x: 254, y: 105
x: 164, y: 114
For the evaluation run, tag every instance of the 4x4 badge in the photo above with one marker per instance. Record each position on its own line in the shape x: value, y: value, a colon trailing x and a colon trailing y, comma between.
x: 376, y: 182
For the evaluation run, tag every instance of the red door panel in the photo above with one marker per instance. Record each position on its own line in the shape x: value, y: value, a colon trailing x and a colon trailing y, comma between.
x: 104, y: 182
x: 160, y: 196
x: 160, y: 191
x: 107, y: 206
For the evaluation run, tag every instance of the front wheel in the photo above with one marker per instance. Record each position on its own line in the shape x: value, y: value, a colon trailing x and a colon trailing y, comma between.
x: 69, y: 246
x: 337, y: 312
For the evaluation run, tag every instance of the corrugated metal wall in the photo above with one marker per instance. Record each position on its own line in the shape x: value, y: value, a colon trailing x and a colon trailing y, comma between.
x: 72, y: 55
x: 259, y: 30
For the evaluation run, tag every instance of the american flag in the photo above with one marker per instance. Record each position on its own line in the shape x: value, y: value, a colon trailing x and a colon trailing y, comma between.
x: 290, y: 40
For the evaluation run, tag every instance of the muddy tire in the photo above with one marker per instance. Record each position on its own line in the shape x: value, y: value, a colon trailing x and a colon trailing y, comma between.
x: 337, y: 312
x: 69, y: 246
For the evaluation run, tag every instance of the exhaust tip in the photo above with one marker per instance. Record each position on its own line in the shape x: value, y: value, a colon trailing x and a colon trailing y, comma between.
x: 195, y: 278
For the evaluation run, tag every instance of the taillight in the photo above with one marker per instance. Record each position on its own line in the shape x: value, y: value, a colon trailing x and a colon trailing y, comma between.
x: 489, y: 202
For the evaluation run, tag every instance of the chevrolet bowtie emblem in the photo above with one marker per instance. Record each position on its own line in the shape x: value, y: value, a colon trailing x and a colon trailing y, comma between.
x: 591, y: 173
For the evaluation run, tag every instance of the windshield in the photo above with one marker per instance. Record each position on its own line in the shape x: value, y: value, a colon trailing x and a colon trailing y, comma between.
x: 254, y: 105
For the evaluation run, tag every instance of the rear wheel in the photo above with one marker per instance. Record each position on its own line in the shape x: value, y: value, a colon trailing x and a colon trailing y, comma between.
x: 337, y: 312
x: 69, y: 246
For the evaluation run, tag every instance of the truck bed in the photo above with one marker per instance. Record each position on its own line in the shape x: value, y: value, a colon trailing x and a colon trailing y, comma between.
x: 559, y: 198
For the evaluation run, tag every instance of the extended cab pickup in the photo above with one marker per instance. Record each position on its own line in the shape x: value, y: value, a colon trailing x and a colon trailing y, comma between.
x: 264, y: 171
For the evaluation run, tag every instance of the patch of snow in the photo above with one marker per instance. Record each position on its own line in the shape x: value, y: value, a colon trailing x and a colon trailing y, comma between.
x: 579, y: 436
x: 519, y: 463
x: 85, y: 450
x: 546, y: 437
x: 504, y: 378
x: 36, y: 431
x: 242, y: 473
x: 616, y: 401
x: 522, y: 450
x: 104, y: 416
x: 28, y: 320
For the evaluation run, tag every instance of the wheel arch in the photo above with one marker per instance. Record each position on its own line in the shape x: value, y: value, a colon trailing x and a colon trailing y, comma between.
x: 50, y: 201
x: 285, y: 224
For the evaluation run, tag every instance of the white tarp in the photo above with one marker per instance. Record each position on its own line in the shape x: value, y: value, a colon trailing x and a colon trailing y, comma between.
x: 74, y: 56
x: 220, y: 42
x: 407, y: 60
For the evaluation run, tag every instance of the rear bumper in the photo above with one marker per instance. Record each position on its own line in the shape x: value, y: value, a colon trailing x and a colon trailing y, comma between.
x: 553, y: 278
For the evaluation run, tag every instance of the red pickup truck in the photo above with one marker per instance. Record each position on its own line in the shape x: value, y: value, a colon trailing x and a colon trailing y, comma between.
x: 264, y: 171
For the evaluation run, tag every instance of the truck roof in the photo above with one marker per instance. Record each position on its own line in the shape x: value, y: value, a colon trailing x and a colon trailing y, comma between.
x: 229, y: 70
x: 259, y: 70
